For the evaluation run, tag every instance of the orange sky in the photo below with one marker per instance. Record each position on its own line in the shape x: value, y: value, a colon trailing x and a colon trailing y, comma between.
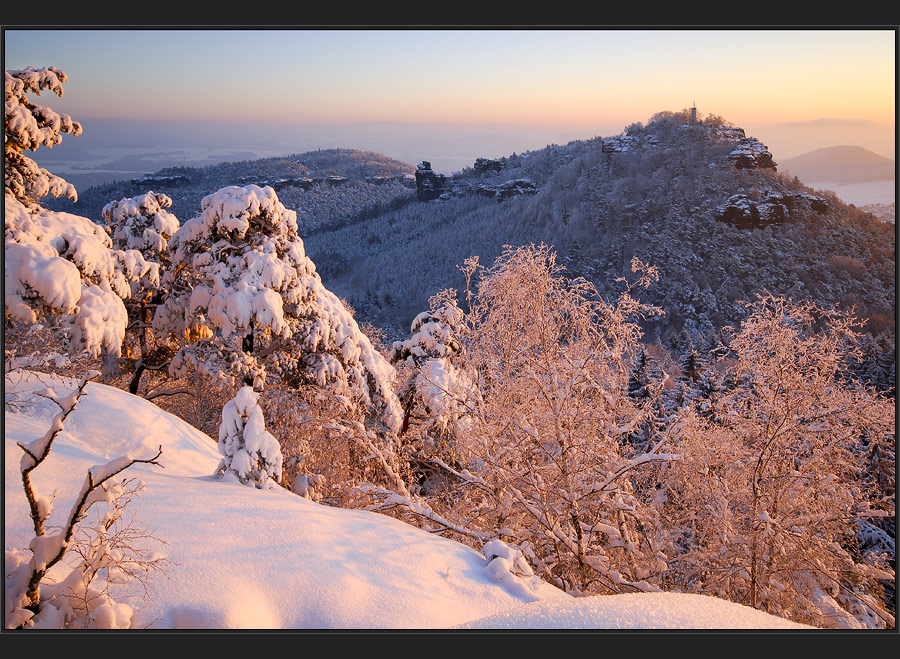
x: 563, y: 78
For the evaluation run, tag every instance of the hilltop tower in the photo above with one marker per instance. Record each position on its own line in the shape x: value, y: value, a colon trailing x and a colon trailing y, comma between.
x: 694, y: 114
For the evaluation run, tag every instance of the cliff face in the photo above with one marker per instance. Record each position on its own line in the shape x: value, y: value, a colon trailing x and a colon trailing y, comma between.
x: 429, y: 185
x: 483, y: 182
x: 773, y: 208
x: 751, y: 154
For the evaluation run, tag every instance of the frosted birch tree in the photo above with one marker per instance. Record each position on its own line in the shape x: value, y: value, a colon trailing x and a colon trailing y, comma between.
x: 542, y: 464
x: 546, y: 446
x: 764, y: 507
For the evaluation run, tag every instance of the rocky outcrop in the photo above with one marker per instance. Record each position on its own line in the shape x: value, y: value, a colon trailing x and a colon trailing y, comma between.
x: 486, y: 165
x: 775, y: 208
x: 507, y: 189
x: 619, y: 143
x: 407, y: 180
x: 429, y: 185
x: 728, y: 133
x: 623, y: 143
x: 751, y: 154
x: 282, y: 183
x: 800, y: 201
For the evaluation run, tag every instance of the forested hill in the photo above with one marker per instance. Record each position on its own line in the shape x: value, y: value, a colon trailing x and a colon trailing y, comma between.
x: 323, y: 186
x: 703, y: 202
x: 700, y: 200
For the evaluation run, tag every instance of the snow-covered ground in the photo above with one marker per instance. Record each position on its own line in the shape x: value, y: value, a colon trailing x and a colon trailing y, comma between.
x: 262, y: 559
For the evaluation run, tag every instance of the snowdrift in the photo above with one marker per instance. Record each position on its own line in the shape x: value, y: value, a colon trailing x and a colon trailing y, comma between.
x: 260, y: 559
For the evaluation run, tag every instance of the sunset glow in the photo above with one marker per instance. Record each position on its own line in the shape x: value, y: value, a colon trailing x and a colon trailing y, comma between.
x: 563, y: 78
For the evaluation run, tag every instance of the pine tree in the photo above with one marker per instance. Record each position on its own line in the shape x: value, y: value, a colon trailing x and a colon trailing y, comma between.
x: 59, y: 268
x: 438, y: 392
x: 142, y: 226
x: 250, y: 453
x: 28, y: 126
x: 247, y: 302
x: 639, y: 379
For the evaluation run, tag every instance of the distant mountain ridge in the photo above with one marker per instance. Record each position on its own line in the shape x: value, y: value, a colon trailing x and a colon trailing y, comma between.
x: 840, y: 164
x: 703, y: 202
x: 324, y: 186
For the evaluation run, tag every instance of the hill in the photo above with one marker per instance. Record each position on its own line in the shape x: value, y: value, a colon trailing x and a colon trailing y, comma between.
x: 325, y: 186
x: 705, y: 203
x: 745, y: 464
x: 242, y: 558
x: 840, y: 165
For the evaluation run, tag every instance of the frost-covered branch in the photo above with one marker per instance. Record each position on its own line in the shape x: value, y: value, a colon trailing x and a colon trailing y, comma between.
x: 37, y: 451
x: 24, y: 599
x: 419, y: 508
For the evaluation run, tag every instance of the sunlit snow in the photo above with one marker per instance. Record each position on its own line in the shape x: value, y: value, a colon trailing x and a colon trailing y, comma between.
x: 259, y: 559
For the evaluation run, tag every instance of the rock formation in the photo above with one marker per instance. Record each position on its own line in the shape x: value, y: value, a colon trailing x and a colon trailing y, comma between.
x: 429, y: 185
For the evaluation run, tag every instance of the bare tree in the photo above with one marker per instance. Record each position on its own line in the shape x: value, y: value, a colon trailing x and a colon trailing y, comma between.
x: 540, y: 460
x: 763, y: 507
x: 29, y: 601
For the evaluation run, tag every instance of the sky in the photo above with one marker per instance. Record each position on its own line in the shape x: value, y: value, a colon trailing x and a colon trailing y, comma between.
x: 438, y: 92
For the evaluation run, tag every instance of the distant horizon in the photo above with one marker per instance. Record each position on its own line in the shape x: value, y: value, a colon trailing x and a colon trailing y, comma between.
x: 448, y: 146
x: 449, y: 95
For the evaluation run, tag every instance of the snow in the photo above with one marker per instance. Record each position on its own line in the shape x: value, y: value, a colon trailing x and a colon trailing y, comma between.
x: 262, y: 559
x: 251, y: 452
x: 66, y: 262
x: 101, y: 321
x: 634, y: 611
x: 252, y: 275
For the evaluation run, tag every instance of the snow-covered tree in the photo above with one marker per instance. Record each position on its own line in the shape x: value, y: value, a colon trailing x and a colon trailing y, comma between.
x: 437, y: 380
x: 249, y: 303
x: 542, y: 462
x: 142, y: 223
x: 438, y: 391
x: 140, y: 228
x: 547, y: 442
x: 58, y: 267
x: 763, y: 507
x: 28, y: 126
x: 106, y: 549
x: 250, y: 452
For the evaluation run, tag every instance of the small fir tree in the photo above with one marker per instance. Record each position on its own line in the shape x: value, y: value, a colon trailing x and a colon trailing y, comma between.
x: 250, y: 453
